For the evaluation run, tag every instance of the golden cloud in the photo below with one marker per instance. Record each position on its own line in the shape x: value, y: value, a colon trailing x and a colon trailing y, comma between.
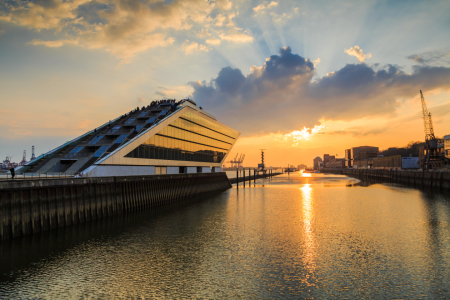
x: 358, y: 53
x: 125, y: 27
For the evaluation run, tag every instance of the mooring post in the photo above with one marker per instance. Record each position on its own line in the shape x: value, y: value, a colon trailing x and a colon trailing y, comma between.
x: 254, y: 176
x: 243, y: 171
x: 237, y: 177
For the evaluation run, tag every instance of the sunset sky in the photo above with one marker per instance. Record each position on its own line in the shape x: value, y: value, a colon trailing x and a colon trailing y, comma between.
x: 298, y: 78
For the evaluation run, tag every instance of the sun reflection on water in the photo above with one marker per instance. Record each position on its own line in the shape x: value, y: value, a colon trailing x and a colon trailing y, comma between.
x: 308, y: 215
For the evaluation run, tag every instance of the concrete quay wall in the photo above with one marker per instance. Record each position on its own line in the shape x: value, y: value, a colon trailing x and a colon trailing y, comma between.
x: 32, y: 206
x: 419, y: 179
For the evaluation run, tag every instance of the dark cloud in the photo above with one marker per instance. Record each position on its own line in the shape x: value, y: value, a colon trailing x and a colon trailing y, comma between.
x: 356, y: 132
x: 282, y: 95
x: 432, y: 57
x: 416, y: 58
x: 286, y: 65
x: 229, y: 80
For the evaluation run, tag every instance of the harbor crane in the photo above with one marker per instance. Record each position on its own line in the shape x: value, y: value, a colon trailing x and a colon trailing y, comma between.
x: 430, y: 140
x: 24, y: 159
x: 32, y: 154
x: 236, y: 162
x: 233, y: 162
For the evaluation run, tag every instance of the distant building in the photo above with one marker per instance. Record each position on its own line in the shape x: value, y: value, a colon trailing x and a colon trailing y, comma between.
x: 364, y: 152
x: 316, y: 162
x: 301, y: 167
x: 390, y: 162
x: 447, y: 146
x: 440, y: 151
x: 348, y: 158
x: 410, y: 163
x: 363, y: 163
x: 327, y: 158
x: 338, y: 163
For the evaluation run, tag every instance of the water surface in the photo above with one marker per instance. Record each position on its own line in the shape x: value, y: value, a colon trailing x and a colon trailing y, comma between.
x: 296, y: 236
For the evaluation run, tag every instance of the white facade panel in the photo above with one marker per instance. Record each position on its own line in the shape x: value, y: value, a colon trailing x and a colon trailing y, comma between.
x: 191, y: 170
x: 173, y: 170
x: 410, y: 163
x: 206, y: 169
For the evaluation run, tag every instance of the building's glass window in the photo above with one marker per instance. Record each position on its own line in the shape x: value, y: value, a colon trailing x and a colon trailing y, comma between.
x: 75, y: 150
x: 95, y: 140
x: 115, y: 128
x: 188, y: 138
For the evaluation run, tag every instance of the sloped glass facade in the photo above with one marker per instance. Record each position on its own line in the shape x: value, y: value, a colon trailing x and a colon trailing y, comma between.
x: 188, y: 138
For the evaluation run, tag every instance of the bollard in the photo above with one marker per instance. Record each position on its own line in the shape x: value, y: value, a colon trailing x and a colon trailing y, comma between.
x: 237, y: 177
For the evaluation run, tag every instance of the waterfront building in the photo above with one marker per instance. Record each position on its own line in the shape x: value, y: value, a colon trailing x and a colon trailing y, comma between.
x: 440, y: 161
x: 348, y: 158
x: 166, y: 137
x: 316, y: 162
x: 327, y: 158
x: 301, y: 167
x: 338, y: 163
x: 447, y: 146
x: 390, y: 162
x: 364, y: 152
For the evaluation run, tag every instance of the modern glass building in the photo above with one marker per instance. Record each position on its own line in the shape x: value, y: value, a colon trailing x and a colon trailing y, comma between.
x: 166, y: 137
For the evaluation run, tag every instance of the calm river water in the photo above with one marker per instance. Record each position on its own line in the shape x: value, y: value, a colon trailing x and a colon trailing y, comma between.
x: 298, y: 236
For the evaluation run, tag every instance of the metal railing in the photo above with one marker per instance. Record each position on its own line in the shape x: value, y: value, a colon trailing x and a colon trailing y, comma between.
x: 34, y: 176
